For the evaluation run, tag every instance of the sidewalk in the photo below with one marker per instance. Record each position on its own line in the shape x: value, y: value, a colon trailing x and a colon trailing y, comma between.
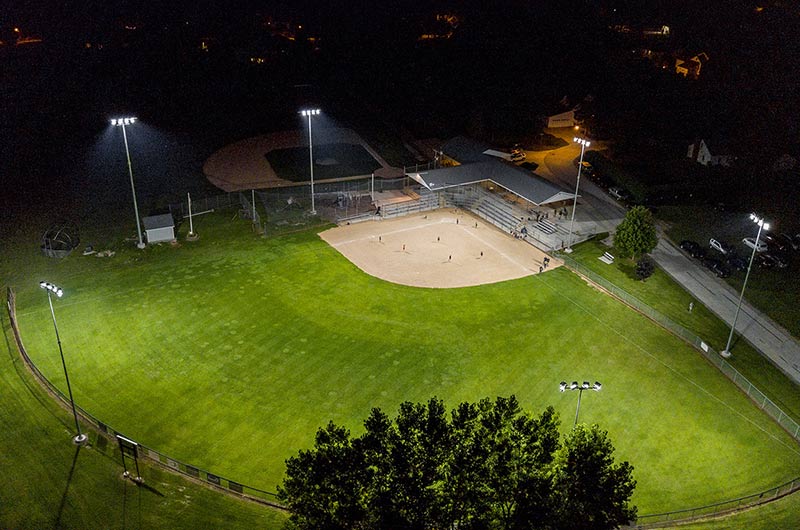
x: 770, y: 339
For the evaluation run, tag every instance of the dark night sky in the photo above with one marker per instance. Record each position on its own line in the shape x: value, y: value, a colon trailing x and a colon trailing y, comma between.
x: 508, y: 62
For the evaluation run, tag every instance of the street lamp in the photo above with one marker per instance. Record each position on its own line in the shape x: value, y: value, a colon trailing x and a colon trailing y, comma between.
x: 308, y: 113
x: 584, y: 144
x: 580, y: 388
x: 122, y: 122
x: 761, y: 226
x: 79, y: 438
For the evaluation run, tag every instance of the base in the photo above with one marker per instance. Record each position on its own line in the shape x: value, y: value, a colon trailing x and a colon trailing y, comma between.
x: 192, y: 236
x: 140, y: 246
x: 80, y: 439
x: 725, y: 353
x: 313, y: 212
x: 568, y: 250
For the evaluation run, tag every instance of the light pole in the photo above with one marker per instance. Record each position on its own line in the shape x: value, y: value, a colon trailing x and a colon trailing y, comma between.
x: 50, y: 288
x: 761, y: 226
x: 122, y: 122
x: 584, y: 144
x: 580, y: 388
x: 308, y: 113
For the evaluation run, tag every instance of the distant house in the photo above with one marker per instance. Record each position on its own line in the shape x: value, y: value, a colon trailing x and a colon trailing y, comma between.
x: 159, y: 228
x: 700, y: 152
x: 562, y: 119
x: 690, y: 66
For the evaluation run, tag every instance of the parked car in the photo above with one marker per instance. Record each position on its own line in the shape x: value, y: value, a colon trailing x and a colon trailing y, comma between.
x: 587, y: 169
x: 750, y: 242
x: 794, y: 244
x: 720, y: 246
x: 736, y: 263
x: 765, y: 261
x: 518, y: 156
x: 717, y: 267
x: 773, y: 242
x: 693, y: 248
x: 780, y: 258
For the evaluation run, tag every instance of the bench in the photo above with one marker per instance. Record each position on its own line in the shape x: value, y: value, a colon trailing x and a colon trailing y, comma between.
x: 606, y: 258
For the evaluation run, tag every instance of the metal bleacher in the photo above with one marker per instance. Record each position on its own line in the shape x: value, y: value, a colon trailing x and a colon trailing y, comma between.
x: 426, y: 201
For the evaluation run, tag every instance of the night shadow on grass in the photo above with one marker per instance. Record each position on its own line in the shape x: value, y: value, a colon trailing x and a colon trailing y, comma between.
x: 30, y: 383
x: 66, y: 487
x: 627, y: 267
x: 136, y: 491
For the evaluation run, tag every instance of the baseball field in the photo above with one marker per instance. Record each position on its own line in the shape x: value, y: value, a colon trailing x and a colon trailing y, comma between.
x: 229, y: 352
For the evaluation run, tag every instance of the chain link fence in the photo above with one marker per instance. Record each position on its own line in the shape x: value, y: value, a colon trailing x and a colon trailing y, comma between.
x: 102, y: 429
x: 756, y: 395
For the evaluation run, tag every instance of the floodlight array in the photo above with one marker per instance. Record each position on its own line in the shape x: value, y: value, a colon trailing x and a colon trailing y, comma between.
x: 586, y: 385
x: 123, y: 121
x: 310, y: 112
x: 58, y: 291
x: 759, y: 221
x: 585, y: 143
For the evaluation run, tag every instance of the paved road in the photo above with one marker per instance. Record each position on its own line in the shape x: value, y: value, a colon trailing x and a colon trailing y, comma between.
x: 595, y: 207
x: 770, y: 339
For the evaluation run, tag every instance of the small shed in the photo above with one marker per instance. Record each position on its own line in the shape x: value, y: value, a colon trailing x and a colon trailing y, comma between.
x: 159, y: 228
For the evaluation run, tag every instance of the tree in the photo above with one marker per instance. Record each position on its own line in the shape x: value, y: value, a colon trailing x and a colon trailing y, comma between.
x: 645, y: 267
x: 636, y: 234
x: 592, y: 491
x: 323, y: 486
x: 485, y: 465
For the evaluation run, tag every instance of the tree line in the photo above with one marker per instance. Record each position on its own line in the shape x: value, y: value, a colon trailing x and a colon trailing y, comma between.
x: 485, y: 465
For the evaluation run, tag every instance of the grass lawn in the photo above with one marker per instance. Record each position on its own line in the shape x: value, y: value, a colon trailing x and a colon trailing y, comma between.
x: 773, y: 291
x: 666, y: 296
x: 230, y: 352
x: 49, y: 483
x: 330, y: 161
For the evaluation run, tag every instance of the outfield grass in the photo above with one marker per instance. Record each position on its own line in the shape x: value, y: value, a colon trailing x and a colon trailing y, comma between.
x: 662, y: 293
x: 49, y: 483
x: 230, y: 352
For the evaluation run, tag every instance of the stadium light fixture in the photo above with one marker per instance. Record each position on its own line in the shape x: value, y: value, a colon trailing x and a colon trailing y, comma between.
x: 308, y: 113
x: 563, y: 386
x: 79, y: 438
x: 762, y: 225
x: 584, y: 144
x: 122, y: 122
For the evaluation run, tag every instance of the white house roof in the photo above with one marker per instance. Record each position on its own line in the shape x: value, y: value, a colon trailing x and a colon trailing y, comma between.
x: 154, y: 222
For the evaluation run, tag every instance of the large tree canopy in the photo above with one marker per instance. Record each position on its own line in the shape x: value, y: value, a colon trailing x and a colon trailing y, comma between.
x: 636, y: 234
x: 485, y: 465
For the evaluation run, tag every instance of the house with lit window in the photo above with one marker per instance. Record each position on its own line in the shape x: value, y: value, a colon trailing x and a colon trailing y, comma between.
x: 690, y: 66
x: 716, y: 154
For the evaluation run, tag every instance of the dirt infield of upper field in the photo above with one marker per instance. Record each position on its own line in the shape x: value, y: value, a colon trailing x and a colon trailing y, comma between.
x: 443, y: 248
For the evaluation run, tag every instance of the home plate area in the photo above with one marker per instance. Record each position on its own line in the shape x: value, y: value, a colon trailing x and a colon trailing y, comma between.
x: 441, y: 248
